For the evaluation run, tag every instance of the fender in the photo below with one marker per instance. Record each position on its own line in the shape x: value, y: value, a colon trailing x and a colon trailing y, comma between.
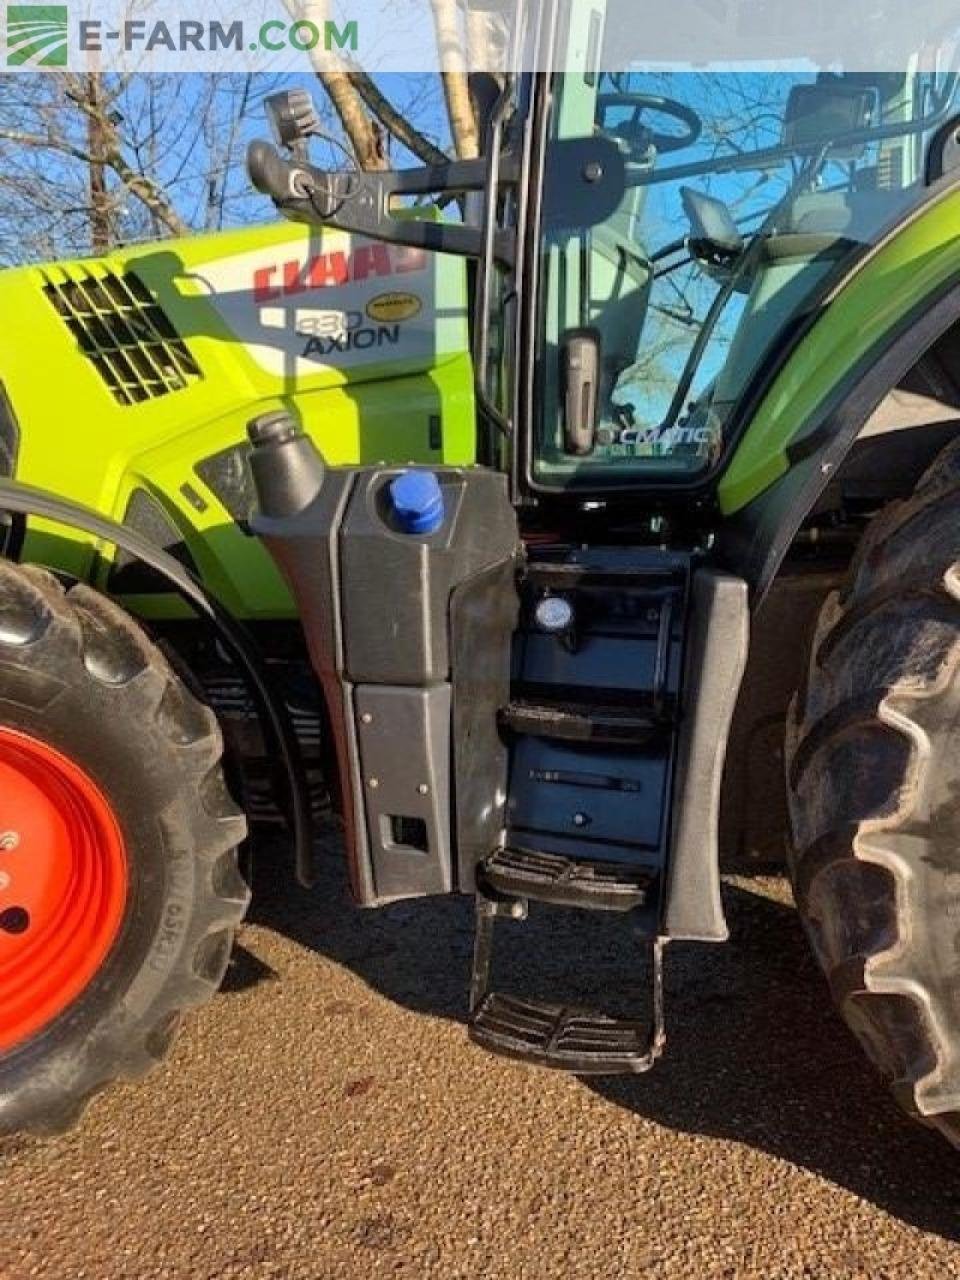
x: 22, y: 501
x: 754, y: 541
x: 800, y: 432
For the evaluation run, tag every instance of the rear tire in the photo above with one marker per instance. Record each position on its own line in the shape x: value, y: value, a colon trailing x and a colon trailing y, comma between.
x: 873, y: 758
x: 81, y: 682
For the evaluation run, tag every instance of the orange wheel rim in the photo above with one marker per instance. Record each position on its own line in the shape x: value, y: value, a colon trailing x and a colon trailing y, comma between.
x: 63, y: 884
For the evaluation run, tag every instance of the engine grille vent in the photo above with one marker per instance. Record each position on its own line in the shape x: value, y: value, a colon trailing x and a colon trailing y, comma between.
x: 122, y: 331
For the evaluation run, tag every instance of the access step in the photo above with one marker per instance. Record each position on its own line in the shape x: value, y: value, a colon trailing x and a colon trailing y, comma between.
x: 568, y: 882
x: 557, y: 1035
x: 580, y: 722
x: 565, y: 1039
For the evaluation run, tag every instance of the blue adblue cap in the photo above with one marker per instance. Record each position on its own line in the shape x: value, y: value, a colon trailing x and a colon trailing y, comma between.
x: 418, y: 502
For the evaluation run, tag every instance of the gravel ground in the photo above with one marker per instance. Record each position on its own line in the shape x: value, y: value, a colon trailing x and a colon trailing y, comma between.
x: 326, y: 1117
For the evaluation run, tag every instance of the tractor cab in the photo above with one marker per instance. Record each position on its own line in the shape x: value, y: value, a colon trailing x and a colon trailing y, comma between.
x: 745, y: 195
x: 530, y: 666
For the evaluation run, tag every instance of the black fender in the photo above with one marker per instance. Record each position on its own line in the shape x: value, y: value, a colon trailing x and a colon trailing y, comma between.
x: 21, y: 501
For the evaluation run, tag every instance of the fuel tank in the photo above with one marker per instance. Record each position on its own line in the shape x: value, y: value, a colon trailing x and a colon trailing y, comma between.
x: 405, y: 582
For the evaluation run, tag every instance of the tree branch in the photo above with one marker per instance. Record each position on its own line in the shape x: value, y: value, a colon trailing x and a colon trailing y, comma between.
x: 46, y: 142
x: 144, y: 188
x: 364, y: 134
x: 453, y: 73
x: 397, y: 125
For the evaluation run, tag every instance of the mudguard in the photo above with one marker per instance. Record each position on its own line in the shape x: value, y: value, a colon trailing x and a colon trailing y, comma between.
x: 807, y: 408
x: 25, y: 501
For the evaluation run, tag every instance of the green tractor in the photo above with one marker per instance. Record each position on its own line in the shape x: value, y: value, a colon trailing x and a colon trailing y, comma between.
x: 526, y: 532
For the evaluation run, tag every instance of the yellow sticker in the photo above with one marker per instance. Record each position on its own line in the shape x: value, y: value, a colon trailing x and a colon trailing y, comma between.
x: 394, y: 307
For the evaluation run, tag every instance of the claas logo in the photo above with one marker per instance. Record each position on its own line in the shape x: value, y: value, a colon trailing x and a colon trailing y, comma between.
x: 329, y: 270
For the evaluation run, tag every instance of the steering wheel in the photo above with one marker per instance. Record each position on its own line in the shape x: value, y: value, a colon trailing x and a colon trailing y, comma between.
x: 636, y: 132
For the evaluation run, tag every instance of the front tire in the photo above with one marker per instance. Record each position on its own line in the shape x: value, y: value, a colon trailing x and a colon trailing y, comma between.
x: 873, y: 758
x: 119, y: 888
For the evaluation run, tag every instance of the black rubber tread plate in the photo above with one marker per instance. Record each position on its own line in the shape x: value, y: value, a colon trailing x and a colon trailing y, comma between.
x: 560, y: 1037
x: 571, y: 882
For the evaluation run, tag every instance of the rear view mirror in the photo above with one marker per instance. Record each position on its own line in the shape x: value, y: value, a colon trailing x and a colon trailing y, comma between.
x: 818, y: 114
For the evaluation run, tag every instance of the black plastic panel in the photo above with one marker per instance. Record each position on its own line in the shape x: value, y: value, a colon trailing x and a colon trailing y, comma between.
x: 397, y: 588
x: 385, y: 612
x: 587, y: 794
x: 483, y: 617
x: 227, y: 475
x: 603, y: 661
x: 129, y: 575
x: 407, y: 791
x: 718, y: 639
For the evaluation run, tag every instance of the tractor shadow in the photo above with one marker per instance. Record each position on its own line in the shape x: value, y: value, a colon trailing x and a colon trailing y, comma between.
x: 755, y: 1052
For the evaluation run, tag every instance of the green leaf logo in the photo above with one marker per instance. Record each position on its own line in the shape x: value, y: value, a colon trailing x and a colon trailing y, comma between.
x: 37, y: 35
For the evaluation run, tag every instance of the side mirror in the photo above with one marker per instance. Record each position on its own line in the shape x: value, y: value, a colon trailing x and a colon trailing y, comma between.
x: 580, y: 388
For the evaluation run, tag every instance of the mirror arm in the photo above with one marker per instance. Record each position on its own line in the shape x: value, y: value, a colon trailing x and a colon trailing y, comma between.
x: 362, y: 201
x: 586, y: 176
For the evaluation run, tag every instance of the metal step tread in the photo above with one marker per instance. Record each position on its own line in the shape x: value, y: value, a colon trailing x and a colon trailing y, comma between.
x: 565, y: 881
x: 581, y: 722
x: 562, y: 1037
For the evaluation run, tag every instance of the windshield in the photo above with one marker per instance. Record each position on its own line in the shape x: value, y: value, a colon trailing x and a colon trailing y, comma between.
x: 746, y: 194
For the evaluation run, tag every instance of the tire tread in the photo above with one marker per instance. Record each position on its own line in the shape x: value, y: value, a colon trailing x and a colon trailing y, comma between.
x: 84, y: 636
x: 882, y: 695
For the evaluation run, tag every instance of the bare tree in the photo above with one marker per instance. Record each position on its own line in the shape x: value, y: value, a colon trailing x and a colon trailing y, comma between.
x: 101, y: 221
x: 89, y: 161
x: 369, y: 119
x: 99, y: 104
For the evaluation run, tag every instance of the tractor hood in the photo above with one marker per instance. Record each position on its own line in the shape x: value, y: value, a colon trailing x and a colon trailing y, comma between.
x: 138, y: 373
